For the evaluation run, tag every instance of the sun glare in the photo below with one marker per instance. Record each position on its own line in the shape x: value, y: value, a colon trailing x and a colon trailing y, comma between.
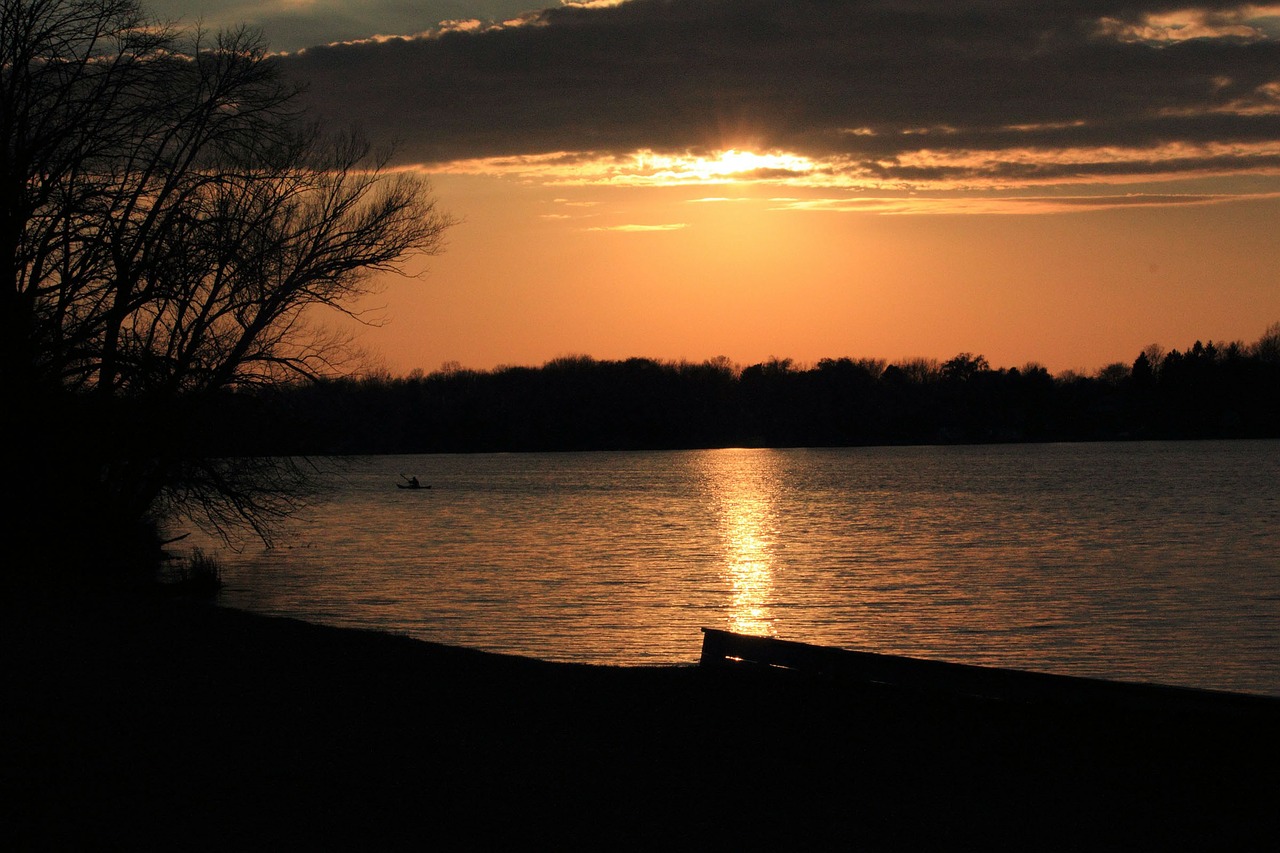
x: 647, y: 168
x: 729, y: 166
x: 924, y: 169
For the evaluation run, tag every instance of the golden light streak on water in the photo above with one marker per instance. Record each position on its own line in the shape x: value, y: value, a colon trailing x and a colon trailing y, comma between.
x: 743, y: 484
x: 750, y: 564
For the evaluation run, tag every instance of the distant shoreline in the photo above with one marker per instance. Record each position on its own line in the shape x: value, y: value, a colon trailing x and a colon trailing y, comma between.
x: 581, y: 403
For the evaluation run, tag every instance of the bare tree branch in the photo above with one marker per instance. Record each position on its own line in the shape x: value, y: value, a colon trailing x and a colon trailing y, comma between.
x: 167, y: 223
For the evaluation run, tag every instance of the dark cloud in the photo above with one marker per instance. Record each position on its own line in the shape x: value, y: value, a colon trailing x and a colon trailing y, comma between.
x: 291, y: 25
x: 873, y: 81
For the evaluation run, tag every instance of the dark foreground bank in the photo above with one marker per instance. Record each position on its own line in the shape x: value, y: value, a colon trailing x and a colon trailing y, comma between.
x: 134, y: 722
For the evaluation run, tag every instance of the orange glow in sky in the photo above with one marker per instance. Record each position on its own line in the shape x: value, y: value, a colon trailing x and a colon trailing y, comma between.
x: 1062, y: 183
x: 750, y: 270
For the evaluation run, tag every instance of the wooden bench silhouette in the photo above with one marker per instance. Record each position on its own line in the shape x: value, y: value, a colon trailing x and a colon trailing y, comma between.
x: 725, y: 649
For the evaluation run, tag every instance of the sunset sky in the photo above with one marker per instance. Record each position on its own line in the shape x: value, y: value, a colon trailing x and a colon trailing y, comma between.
x: 1061, y: 182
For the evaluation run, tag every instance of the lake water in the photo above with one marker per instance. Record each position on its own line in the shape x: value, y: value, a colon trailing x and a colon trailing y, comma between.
x: 1156, y: 562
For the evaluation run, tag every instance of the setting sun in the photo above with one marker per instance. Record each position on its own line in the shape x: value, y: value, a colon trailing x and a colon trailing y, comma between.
x: 731, y: 166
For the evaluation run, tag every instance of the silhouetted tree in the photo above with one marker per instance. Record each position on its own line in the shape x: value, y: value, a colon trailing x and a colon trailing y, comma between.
x: 1115, y: 374
x: 166, y: 221
x: 964, y: 366
x: 1143, y: 372
x: 1267, y: 348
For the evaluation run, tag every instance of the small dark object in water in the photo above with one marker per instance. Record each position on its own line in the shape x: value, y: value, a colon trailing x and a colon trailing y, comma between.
x: 412, y: 484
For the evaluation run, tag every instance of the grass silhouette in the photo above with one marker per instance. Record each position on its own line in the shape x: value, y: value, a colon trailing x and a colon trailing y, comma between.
x: 141, y: 720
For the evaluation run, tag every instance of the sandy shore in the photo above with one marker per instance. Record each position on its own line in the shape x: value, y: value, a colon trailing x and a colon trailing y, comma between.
x: 135, y: 722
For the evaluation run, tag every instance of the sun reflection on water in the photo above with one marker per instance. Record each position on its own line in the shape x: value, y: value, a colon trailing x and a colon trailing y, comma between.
x: 1090, y: 560
x: 742, y: 486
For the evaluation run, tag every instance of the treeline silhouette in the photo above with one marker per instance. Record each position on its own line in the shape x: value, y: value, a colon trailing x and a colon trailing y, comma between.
x: 580, y: 403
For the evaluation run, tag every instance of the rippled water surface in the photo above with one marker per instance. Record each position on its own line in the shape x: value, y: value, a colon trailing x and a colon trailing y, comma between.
x: 1146, y: 561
